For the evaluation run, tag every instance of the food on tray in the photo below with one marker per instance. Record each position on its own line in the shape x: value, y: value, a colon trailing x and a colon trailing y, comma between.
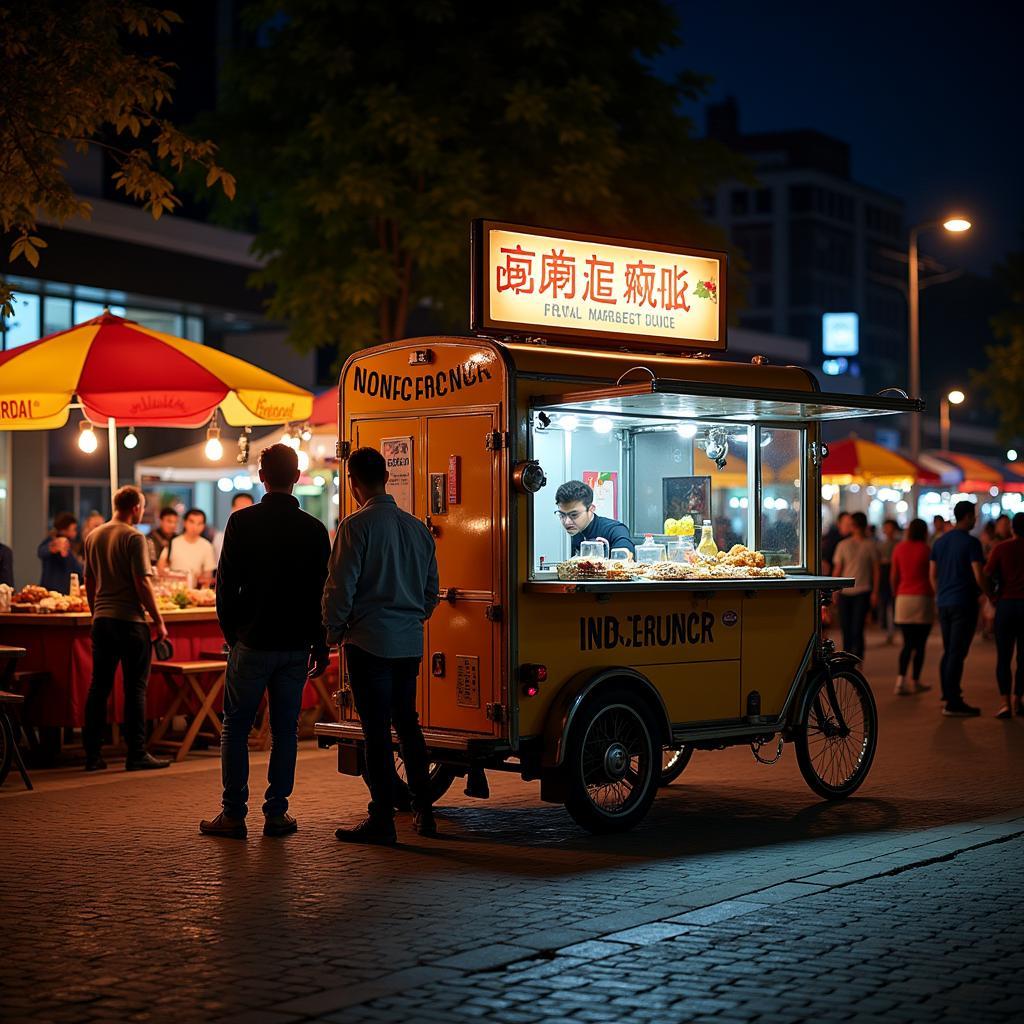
x: 738, y: 563
x: 30, y: 595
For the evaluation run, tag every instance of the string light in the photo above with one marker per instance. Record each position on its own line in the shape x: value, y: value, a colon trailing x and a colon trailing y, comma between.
x: 87, y: 440
x: 131, y: 439
x: 214, y: 449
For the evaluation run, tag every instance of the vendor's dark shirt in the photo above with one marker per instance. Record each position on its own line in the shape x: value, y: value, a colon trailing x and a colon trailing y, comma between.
x: 616, y: 533
x: 157, y: 542
x: 271, y: 576
x: 57, y: 569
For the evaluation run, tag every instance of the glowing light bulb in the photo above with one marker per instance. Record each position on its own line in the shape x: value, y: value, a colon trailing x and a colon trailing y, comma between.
x: 956, y: 397
x: 687, y: 430
x: 1011, y: 454
x: 214, y: 449
x: 224, y: 484
x: 87, y: 441
x: 131, y: 439
x: 957, y: 224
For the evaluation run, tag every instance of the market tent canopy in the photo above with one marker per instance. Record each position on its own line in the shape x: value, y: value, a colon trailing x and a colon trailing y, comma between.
x: 131, y: 375
x: 856, y: 461
x: 325, y: 409
x: 969, y: 472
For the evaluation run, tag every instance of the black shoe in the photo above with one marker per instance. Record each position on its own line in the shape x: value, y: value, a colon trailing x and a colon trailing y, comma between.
x: 960, y: 709
x: 144, y: 763
x: 224, y: 826
x: 280, y: 825
x: 379, y: 831
x: 423, y: 823
x: 95, y: 764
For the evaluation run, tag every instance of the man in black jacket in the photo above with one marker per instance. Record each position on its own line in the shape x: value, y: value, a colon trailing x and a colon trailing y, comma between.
x: 269, y: 584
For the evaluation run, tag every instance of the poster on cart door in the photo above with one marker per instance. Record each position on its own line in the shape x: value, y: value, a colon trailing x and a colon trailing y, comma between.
x: 397, y: 452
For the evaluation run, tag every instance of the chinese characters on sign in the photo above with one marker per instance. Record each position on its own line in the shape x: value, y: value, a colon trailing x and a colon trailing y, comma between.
x: 566, y: 284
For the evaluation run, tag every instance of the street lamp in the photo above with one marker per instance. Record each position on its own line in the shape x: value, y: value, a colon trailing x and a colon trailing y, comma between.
x: 955, y: 225
x: 955, y: 397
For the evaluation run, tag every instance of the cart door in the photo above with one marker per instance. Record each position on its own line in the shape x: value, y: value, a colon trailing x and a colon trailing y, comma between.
x: 463, y: 634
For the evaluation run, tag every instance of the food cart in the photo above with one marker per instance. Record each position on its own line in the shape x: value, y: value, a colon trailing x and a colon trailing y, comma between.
x: 594, y: 676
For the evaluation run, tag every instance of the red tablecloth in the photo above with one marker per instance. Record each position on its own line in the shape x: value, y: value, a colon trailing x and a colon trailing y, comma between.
x: 60, y: 646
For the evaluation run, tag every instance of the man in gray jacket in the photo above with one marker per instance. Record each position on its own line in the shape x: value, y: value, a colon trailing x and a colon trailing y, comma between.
x: 381, y: 588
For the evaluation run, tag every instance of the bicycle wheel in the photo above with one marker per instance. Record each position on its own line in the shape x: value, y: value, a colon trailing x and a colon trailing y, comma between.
x: 673, y: 763
x: 837, y: 734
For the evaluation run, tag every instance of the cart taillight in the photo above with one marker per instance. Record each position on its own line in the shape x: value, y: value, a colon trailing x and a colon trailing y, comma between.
x: 532, y: 676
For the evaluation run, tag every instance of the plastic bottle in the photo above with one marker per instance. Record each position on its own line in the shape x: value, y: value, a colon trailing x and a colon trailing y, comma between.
x: 649, y: 551
x: 707, y: 548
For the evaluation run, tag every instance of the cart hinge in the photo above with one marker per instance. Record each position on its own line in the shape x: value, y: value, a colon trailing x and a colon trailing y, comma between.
x: 497, y: 713
x: 494, y: 613
x: 344, y: 449
x: 495, y: 440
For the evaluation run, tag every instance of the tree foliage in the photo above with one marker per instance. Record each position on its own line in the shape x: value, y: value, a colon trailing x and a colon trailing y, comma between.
x: 367, y: 136
x: 70, y: 75
x: 1003, y: 378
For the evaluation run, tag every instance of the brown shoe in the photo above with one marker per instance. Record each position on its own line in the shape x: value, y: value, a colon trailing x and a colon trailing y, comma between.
x: 380, y: 832
x: 280, y: 825
x: 423, y: 823
x: 222, y: 825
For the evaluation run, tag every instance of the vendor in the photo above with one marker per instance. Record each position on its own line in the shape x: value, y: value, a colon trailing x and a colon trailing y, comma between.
x: 57, y: 554
x: 576, y: 510
x: 190, y: 551
x: 160, y: 538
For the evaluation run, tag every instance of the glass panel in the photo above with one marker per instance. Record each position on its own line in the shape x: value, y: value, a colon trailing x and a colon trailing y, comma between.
x: 23, y: 327
x: 56, y: 314
x: 87, y: 310
x: 635, y: 474
x: 194, y: 329
x: 782, y: 495
x: 61, y: 498
x: 156, y: 320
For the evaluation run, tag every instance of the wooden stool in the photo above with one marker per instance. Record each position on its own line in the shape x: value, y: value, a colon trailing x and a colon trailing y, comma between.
x: 8, y: 745
x: 205, y: 680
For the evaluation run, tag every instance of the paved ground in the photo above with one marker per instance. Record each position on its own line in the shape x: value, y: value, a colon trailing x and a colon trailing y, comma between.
x: 741, y: 897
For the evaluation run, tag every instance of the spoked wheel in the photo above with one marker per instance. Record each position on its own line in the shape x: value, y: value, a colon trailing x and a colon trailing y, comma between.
x: 441, y: 779
x: 673, y: 763
x: 836, y: 735
x: 613, y: 764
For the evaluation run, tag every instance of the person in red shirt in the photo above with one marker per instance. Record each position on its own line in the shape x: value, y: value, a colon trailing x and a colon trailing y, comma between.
x: 914, y: 609
x: 1004, y: 572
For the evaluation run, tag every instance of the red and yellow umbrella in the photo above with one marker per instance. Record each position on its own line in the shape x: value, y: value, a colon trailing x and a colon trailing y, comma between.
x: 856, y: 461
x: 123, y: 372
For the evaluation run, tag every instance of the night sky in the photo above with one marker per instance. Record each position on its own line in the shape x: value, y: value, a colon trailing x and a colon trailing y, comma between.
x: 929, y: 97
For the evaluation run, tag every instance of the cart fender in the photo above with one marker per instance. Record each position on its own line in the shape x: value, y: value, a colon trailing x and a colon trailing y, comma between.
x: 581, y: 686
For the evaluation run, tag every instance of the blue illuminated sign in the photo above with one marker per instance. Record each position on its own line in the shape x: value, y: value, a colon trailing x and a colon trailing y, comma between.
x: 840, y: 334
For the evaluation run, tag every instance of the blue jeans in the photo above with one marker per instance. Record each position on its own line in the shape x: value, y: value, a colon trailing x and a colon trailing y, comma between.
x: 282, y: 676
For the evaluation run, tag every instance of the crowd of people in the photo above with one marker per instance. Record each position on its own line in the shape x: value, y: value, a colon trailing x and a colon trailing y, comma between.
x: 911, y: 578
x: 372, y: 593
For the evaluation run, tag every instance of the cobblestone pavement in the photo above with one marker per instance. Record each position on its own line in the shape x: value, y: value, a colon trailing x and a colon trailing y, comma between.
x: 740, y: 897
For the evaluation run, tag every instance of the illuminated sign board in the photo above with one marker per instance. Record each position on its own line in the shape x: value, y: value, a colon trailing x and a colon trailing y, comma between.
x: 840, y: 334
x: 539, y: 282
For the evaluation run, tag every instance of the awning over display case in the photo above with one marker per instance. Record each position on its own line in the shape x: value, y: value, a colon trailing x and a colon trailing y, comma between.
x: 684, y: 399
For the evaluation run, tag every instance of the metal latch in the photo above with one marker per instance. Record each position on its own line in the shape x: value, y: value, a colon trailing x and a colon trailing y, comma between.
x: 495, y: 440
x: 819, y: 452
x: 493, y: 613
x: 343, y: 449
x: 496, y: 712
